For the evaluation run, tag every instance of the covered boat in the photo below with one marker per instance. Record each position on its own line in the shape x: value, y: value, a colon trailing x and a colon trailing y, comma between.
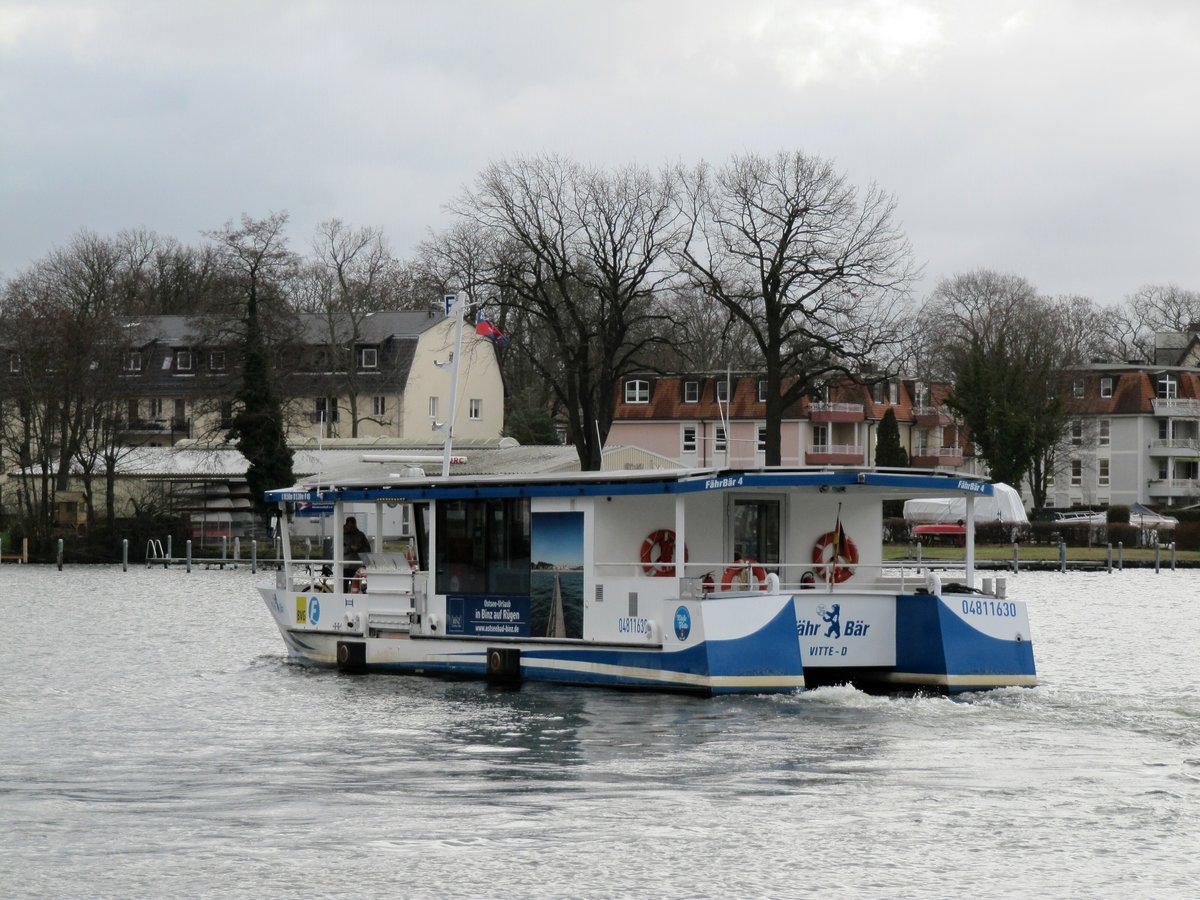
x: 706, y: 581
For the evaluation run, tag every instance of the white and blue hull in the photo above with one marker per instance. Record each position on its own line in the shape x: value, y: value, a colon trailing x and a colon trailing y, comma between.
x: 748, y: 643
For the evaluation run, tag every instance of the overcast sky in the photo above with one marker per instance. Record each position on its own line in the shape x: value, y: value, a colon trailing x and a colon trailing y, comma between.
x: 1055, y: 140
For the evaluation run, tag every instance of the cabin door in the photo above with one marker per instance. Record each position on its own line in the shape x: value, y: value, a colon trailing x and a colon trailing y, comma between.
x: 756, y: 529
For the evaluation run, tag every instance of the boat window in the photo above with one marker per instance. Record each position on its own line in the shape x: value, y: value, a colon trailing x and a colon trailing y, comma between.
x: 483, y: 546
x: 756, y: 530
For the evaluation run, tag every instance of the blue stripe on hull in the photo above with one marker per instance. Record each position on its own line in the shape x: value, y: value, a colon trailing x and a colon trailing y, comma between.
x: 768, y: 660
x: 932, y: 640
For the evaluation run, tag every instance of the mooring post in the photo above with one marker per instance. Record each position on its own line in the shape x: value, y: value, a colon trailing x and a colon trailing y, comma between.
x: 189, y: 555
x: 167, y: 561
x: 237, y: 549
x: 1120, y: 556
x: 1016, y: 557
x: 224, y: 549
x: 124, y: 554
x: 1110, y: 557
x: 1172, y: 556
x: 1062, y: 556
x: 60, y: 553
x: 1157, y: 557
x: 918, y: 553
x: 253, y: 556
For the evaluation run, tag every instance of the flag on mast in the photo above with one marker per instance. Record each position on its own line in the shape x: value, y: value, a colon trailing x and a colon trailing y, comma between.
x: 486, y: 328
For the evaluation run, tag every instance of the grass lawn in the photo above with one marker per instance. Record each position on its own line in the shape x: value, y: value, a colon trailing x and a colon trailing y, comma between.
x: 1039, y: 551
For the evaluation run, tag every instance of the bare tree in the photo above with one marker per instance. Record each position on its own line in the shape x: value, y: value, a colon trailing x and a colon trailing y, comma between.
x: 579, y: 255
x: 817, y: 271
x: 59, y: 325
x: 351, y: 279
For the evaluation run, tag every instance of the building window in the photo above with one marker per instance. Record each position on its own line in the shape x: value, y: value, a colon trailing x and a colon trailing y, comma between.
x: 216, y: 360
x: 637, y: 391
x: 226, y: 414
x: 14, y: 363
x: 893, y: 392
x: 722, y: 391
x: 762, y: 390
x: 324, y: 411
x: 378, y: 405
x: 1104, y: 472
x: 156, y: 407
x: 133, y: 362
x: 877, y: 392
x: 370, y: 358
x: 1077, y: 432
x: 475, y: 412
x: 719, y: 438
x: 183, y: 360
x: 1105, y: 432
x: 1164, y: 429
x: 1076, y: 472
x: 433, y: 407
x: 762, y: 438
x: 689, y: 439
x: 1168, y: 387
x: 1106, y: 387
x: 1077, y: 388
x: 820, y: 436
x: 691, y: 392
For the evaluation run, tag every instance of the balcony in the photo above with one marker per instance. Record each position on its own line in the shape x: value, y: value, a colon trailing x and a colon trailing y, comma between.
x: 1176, y: 406
x: 932, y: 415
x: 837, y: 412
x: 927, y: 458
x: 1175, y: 446
x: 835, y: 455
x: 1174, y: 488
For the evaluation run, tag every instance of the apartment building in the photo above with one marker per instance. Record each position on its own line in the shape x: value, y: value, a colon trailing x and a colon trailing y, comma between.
x: 1133, y: 437
x: 707, y: 419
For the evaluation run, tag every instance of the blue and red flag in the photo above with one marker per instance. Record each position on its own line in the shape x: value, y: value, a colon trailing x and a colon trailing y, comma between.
x: 488, y: 329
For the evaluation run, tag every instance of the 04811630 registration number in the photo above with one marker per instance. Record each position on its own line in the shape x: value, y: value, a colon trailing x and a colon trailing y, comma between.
x: 989, y: 608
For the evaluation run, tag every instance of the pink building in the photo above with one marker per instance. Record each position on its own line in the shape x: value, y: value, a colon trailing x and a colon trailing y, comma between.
x: 704, y: 420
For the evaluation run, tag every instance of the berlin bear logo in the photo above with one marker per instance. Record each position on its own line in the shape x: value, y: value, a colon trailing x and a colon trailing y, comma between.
x: 833, y: 618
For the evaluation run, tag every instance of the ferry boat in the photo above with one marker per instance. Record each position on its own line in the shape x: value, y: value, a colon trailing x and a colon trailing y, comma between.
x: 708, y: 581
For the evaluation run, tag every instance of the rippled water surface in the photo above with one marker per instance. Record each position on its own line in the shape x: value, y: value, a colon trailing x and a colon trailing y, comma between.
x: 155, y: 742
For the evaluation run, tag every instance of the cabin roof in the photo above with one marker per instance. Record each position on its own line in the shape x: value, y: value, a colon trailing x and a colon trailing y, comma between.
x: 416, y: 485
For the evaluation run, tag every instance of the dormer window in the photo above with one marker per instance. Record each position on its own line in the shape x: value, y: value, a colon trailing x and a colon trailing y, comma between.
x: 183, y: 360
x: 370, y: 358
x: 1106, y: 387
x: 1078, y: 388
x: 14, y: 363
x: 691, y: 392
x: 133, y: 362
x: 762, y: 390
x: 637, y: 391
x: 216, y: 360
x: 722, y: 391
x: 1168, y: 387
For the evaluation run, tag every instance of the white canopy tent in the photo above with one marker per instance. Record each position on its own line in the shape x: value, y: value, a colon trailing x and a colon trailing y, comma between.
x: 1003, y: 506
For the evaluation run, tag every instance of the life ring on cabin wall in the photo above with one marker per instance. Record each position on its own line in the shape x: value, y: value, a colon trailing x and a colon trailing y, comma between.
x: 742, y: 572
x: 658, y: 553
x: 838, y: 566
x: 358, y: 584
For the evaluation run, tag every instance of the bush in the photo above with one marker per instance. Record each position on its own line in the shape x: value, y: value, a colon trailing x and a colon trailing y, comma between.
x: 1117, y: 514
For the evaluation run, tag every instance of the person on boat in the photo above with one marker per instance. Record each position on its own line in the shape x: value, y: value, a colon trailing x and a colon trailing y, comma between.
x: 354, y: 544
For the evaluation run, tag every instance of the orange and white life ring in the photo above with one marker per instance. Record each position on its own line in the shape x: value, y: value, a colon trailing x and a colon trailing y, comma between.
x: 837, y: 565
x: 741, y: 573
x: 658, y: 553
x: 358, y: 584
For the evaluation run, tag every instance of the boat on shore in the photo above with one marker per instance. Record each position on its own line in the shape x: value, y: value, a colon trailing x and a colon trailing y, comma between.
x: 706, y: 581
